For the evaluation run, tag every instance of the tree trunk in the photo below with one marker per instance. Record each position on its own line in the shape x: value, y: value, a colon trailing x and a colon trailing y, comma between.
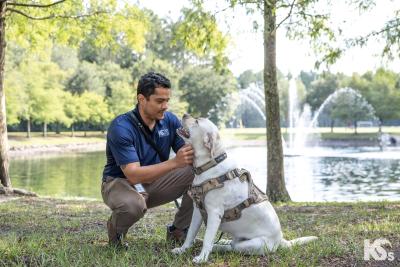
x: 332, y: 124
x: 58, y: 131
x: 72, y: 130
x: 4, y: 174
x: 355, y: 127
x: 44, y: 129
x: 380, y: 127
x: 28, y: 128
x: 380, y: 141
x: 276, y: 188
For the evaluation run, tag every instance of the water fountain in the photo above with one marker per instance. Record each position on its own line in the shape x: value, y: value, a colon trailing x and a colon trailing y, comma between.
x: 302, y: 124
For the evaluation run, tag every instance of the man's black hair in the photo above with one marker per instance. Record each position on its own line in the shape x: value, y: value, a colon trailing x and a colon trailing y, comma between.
x: 150, y: 81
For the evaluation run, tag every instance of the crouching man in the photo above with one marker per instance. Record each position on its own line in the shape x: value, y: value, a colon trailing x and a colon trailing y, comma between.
x: 138, y: 175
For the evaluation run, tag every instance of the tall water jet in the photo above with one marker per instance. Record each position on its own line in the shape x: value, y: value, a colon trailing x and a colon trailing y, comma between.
x: 299, y: 122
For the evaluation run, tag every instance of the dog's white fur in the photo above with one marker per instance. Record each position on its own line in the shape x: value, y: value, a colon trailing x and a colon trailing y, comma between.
x: 258, y: 230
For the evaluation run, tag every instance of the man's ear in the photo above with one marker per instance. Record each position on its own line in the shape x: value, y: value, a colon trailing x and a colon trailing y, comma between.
x: 140, y: 98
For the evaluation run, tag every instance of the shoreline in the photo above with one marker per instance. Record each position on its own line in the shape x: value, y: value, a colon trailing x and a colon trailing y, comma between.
x: 24, y: 151
x: 57, y: 149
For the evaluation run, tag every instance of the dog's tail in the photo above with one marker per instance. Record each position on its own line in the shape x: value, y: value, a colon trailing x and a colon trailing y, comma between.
x: 297, y: 241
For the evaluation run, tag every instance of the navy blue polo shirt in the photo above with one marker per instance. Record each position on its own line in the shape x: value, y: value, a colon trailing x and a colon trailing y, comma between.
x: 126, y: 144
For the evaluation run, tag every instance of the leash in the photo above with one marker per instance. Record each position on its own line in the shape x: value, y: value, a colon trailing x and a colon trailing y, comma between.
x: 219, y: 238
x: 176, y: 203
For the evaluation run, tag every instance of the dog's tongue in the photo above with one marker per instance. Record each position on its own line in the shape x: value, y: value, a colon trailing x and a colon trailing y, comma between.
x: 183, y: 132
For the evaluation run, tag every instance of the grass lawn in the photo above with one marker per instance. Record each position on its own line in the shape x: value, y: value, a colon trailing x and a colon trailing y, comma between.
x: 57, y: 232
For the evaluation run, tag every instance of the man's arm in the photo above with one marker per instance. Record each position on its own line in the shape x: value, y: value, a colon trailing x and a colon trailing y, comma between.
x: 147, y: 174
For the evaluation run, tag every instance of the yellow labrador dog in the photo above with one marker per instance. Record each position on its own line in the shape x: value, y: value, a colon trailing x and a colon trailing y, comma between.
x: 226, y: 199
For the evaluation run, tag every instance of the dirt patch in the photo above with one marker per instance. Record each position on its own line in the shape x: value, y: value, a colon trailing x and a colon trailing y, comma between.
x: 5, y: 198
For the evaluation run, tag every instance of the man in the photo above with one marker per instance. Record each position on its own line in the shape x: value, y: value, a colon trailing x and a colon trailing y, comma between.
x: 131, y: 161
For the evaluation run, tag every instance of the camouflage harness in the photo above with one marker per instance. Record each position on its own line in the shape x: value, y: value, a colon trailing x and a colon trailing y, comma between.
x: 198, y: 193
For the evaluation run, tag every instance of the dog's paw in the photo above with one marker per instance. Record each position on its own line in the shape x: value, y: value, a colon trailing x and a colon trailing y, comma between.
x: 200, y: 259
x: 178, y: 250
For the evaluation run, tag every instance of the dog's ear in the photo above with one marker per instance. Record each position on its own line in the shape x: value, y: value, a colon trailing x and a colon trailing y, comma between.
x: 210, y: 140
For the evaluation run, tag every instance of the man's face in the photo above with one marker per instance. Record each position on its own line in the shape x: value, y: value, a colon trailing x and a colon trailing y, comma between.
x: 157, y: 104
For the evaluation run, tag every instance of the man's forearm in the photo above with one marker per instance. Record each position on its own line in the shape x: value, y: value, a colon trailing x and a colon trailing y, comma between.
x: 148, y: 174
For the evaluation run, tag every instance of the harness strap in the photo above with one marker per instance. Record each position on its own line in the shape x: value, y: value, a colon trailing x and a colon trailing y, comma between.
x: 197, y: 192
x: 232, y: 174
x: 236, y: 212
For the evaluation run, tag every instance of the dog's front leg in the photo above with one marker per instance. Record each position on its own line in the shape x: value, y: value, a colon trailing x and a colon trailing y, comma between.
x: 213, y: 222
x: 192, y: 232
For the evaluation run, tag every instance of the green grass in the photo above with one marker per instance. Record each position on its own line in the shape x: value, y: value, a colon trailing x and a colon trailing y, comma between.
x: 57, y: 232
x: 349, y: 136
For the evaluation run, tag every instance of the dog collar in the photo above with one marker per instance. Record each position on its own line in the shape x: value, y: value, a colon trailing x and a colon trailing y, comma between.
x: 210, y: 164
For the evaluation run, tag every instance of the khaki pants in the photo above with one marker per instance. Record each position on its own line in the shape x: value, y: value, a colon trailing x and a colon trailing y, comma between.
x: 128, y: 206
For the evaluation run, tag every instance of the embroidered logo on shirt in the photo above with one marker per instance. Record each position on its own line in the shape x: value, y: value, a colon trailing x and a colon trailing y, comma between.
x: 163, y: 133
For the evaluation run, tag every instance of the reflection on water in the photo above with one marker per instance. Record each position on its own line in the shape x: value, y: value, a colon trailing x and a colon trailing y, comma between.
x: 72, y: 175
x: 330, y: 174
x: 340, y: 175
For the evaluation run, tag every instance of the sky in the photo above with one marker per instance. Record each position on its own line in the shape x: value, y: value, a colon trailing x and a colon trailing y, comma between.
x: 246, y: 48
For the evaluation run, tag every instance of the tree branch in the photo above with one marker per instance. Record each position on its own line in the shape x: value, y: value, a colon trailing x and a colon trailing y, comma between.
x: 55, y: 16
x: 309, y: 15
x: 389, y: 26
x: 35, y: 5
x: 221, y: 10
x: 288, y: 15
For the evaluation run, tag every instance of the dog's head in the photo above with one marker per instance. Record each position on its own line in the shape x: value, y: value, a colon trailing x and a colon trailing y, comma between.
x: 204, y: 137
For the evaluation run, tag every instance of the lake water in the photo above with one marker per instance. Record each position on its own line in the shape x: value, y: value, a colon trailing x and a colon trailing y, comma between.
x: 350, y: 174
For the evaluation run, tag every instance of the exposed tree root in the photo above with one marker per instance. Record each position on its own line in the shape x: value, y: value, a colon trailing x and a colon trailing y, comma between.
x: 16, y: 191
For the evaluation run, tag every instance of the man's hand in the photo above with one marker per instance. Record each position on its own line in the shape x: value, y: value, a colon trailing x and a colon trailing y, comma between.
x: 184, y: 156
